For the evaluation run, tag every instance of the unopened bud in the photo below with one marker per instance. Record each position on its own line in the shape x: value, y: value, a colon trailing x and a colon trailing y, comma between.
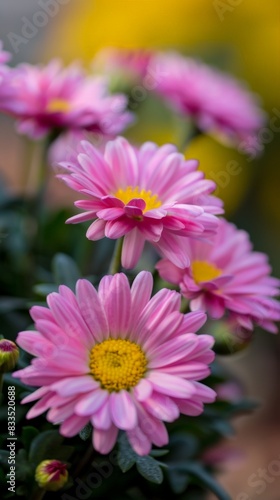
x: 51, y: 475
x: 9, y: 354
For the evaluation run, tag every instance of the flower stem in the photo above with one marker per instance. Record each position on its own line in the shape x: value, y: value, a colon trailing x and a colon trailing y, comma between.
x: 84, y: 461
x: 116, y: 259
x: 35, y: 175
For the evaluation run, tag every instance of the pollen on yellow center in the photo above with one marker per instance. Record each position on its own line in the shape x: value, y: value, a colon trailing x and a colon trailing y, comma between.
x: 117, y: 364
x: 130, y: 192
x: 58, y: 106
x: 203, y: 271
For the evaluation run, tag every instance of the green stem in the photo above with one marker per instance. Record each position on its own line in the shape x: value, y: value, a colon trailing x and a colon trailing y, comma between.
x: 35, y: 173
x: 116, y: 259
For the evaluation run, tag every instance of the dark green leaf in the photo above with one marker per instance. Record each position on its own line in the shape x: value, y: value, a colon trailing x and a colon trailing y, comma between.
x: 28, y: 434
x: 158, y: 453
x: 126, y: 456
x: 85, y: 433
x: 148, y: 468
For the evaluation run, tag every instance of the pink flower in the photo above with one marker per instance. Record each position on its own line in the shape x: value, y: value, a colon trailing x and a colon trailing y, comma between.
x: 5, y: 93
x: 218, y: 103
x: 133, y: 63
x: 227, y: 277
x: 151, y: 194
x: 116, y: 358
x: 48, y: 98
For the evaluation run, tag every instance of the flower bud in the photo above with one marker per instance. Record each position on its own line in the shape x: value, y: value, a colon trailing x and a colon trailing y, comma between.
x: 51, y: 475
x: 9, y: 354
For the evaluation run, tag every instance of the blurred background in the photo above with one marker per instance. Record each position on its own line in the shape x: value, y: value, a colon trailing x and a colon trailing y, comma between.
x: 238, y: 36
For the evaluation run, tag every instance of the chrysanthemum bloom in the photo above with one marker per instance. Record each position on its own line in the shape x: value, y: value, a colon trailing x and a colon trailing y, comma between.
x: 227, y: 277
x: 51, y: 475
x: 132, y: 63
x: 117, y: 358
x: 217, y: 103
x: 47, y: 98
x: 151, y: 194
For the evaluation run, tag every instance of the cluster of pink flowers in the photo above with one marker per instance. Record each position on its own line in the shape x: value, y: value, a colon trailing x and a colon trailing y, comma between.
x: 50, y: 98
x: 117, y: 357
x: 217, y: 103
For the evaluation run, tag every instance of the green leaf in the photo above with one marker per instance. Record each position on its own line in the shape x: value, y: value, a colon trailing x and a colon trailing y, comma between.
x: 196, y: 470
x: 158, y: 453
x: 148, y: 468
x: 65, y: 270
x: 28, y: 434
x: 85, y: 433
x: 126, y: 456
x: 48, y: 445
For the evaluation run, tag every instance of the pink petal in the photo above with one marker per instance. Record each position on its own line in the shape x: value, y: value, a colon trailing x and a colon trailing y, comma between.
x: 90, y: 403
x: 73, y: 425
x: 162, y: 407
x: 118, y: 306
x: 133, y: 245
x: 96, y: 230
x: 102, y: 418
x: 171, y: 385
x: 139, y: 441
x: 72, y: 386
x: 104, y: 440
x: 92, y: 310
x: 142, y: 390
x: 123, y: 411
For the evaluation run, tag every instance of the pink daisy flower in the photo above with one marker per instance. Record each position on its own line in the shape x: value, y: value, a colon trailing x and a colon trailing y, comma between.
x: 116, y: 358
x: 151, y: 194
x: 227, y: 277
x: 218, y: 103
x: 133, y: 63
x: 47, y: 98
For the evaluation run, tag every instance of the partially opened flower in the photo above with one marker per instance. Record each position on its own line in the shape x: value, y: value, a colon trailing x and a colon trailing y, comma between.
x: 217, y: 103
x: 117, y: 358
x: 50, y: 97
x: 227, y: 277
x: 151, y: 194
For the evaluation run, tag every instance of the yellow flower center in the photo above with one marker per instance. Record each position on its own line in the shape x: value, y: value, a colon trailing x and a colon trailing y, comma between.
x: 117, y: 364
x: 58, y: 106
x: 203, y: 271
x: 130, y: 192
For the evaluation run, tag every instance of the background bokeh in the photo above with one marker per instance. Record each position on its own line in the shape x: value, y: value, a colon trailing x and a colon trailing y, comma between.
x: 238, y: 36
